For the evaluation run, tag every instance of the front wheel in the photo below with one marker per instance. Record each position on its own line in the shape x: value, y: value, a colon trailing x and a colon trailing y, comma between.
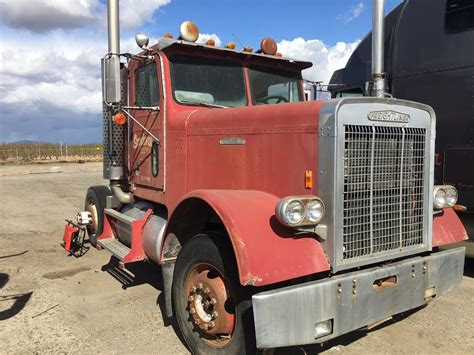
x: 211, y: 311
x: 95, y: 203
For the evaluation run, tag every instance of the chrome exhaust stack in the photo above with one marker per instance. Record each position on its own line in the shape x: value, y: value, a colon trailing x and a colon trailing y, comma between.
x: 377, y: 86
x: 114, y: 95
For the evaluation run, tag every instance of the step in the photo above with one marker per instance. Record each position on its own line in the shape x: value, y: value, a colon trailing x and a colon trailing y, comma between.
x: 116, y: 247
x: 119, y: 216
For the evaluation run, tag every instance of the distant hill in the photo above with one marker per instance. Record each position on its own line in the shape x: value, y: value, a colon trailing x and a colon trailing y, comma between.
x: 28, y: 142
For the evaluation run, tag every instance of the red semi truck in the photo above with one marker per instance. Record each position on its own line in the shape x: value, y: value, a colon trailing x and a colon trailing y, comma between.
x: 276, y: 221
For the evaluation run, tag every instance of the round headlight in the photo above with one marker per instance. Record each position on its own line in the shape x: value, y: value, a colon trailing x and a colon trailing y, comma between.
x: 439, y: 200
x: 314, y: 211
x: 451, y: 196
x: 294, y: 212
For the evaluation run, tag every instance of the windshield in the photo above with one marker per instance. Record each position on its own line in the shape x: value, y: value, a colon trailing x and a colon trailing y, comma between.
x: 207, y: 82
x: 274, y: 86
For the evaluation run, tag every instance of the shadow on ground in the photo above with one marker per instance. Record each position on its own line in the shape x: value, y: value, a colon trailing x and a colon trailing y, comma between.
x: 143, y: 273
x: 19, y: 300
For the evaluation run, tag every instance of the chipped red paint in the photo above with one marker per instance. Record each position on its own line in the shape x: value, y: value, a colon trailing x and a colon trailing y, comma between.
x: 266, y: 252
x: 447, y: 228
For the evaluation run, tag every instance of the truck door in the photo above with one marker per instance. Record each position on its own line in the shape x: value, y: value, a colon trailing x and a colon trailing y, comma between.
x: 145, y: 152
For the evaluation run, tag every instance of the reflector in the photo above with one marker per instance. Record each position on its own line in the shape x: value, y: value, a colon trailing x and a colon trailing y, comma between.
x: 120, y: 119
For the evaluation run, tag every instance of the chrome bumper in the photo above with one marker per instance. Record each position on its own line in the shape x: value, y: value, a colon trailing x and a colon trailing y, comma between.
x: 288, y: 316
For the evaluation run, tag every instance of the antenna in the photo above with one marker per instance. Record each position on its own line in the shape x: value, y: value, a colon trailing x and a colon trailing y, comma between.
x: 237, y: 38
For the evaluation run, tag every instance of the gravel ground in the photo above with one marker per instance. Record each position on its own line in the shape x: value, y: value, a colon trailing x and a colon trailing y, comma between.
x: 52, y: 303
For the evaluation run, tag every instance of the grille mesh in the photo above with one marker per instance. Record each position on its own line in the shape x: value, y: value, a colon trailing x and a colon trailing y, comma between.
x: 383, y: 189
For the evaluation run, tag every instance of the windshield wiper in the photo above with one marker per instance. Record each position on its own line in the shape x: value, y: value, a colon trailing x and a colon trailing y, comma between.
x: 205, y: 104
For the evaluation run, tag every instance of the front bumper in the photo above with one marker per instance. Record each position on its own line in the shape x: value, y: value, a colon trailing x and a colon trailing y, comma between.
x: 288, y: 316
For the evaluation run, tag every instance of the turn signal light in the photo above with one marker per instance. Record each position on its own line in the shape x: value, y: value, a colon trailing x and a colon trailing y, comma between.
x: 120, y: 119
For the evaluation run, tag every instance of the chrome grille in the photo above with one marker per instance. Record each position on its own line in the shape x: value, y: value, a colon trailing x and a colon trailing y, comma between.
x: 384, y: 187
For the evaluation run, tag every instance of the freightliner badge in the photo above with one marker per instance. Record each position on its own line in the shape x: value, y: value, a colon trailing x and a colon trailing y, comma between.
x: 391, y: 116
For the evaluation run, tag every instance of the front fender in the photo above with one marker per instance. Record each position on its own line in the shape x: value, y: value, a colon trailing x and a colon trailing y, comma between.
x: 448, y: 228
x: 266, y: 252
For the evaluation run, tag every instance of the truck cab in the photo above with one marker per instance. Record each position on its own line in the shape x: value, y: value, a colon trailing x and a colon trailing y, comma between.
x: 275, y: 221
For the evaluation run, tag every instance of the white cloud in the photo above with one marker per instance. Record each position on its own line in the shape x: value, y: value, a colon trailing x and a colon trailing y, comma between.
x: 204, y: 37
x: 135, y: 12
x: 326, y: 59
x: 353, y: 13
x: 45, y: 15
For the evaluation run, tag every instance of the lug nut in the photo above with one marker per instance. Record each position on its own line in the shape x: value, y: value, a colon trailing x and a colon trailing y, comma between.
x: 213, y: 301
x: 206, y: 290
x: 193, y: 289
x: 190, y: 299
x: 205, y: 326
x: 212, y: 324
x: 214, y: 315
x: 192, y: 310
x: 200, y: 286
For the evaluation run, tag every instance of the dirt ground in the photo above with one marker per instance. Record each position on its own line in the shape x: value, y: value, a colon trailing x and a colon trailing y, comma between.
x: 52, y: 303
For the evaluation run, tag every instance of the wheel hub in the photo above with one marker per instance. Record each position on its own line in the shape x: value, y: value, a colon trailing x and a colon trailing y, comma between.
x: 91, y: 207
x: 209, y: 302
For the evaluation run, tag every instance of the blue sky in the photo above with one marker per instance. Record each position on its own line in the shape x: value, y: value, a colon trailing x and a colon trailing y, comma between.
x: 328, y: 20
x: 50, y: 50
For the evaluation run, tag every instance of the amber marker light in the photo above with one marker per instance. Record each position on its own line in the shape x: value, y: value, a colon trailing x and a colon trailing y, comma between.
x: 211, y: 42
x: 268, y: 46
x: 248, y: 49
x: 308, y: 181
x: 168, y: 35
x: 460, y: 208
x: 120, y: 119
x: 230, y: 45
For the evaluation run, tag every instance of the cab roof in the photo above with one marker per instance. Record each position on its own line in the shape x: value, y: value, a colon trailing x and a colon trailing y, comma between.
x: 165, y: 43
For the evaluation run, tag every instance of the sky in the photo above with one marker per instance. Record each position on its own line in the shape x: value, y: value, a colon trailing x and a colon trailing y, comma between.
x: 50, y: 50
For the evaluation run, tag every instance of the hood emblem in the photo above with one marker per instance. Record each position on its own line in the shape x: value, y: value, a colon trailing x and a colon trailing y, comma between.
x: 232, y: 141
x: 388, y: 115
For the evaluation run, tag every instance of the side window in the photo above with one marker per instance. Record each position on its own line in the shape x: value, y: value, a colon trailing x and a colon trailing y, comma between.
x: 459, y: 15
x: 146, y: 86
x: 288, y: 90
x: 350, y: 93
x: 154, y: 158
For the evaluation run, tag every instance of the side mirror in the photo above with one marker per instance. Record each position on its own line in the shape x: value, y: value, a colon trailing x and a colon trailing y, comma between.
x: 142, y: 40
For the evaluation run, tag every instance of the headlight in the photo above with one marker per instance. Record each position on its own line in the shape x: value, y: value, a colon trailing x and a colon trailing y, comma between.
x: 296, y: 211
x: 314, y: 211
x: 444, y: 196
x: 439, y: 200
x: 451, y: 196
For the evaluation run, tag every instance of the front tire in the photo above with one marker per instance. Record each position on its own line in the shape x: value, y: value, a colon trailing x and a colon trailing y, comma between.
x: 209, y: 303
x: 95, y: 203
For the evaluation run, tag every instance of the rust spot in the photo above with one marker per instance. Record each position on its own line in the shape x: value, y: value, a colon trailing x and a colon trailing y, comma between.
x: 252, y: 281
